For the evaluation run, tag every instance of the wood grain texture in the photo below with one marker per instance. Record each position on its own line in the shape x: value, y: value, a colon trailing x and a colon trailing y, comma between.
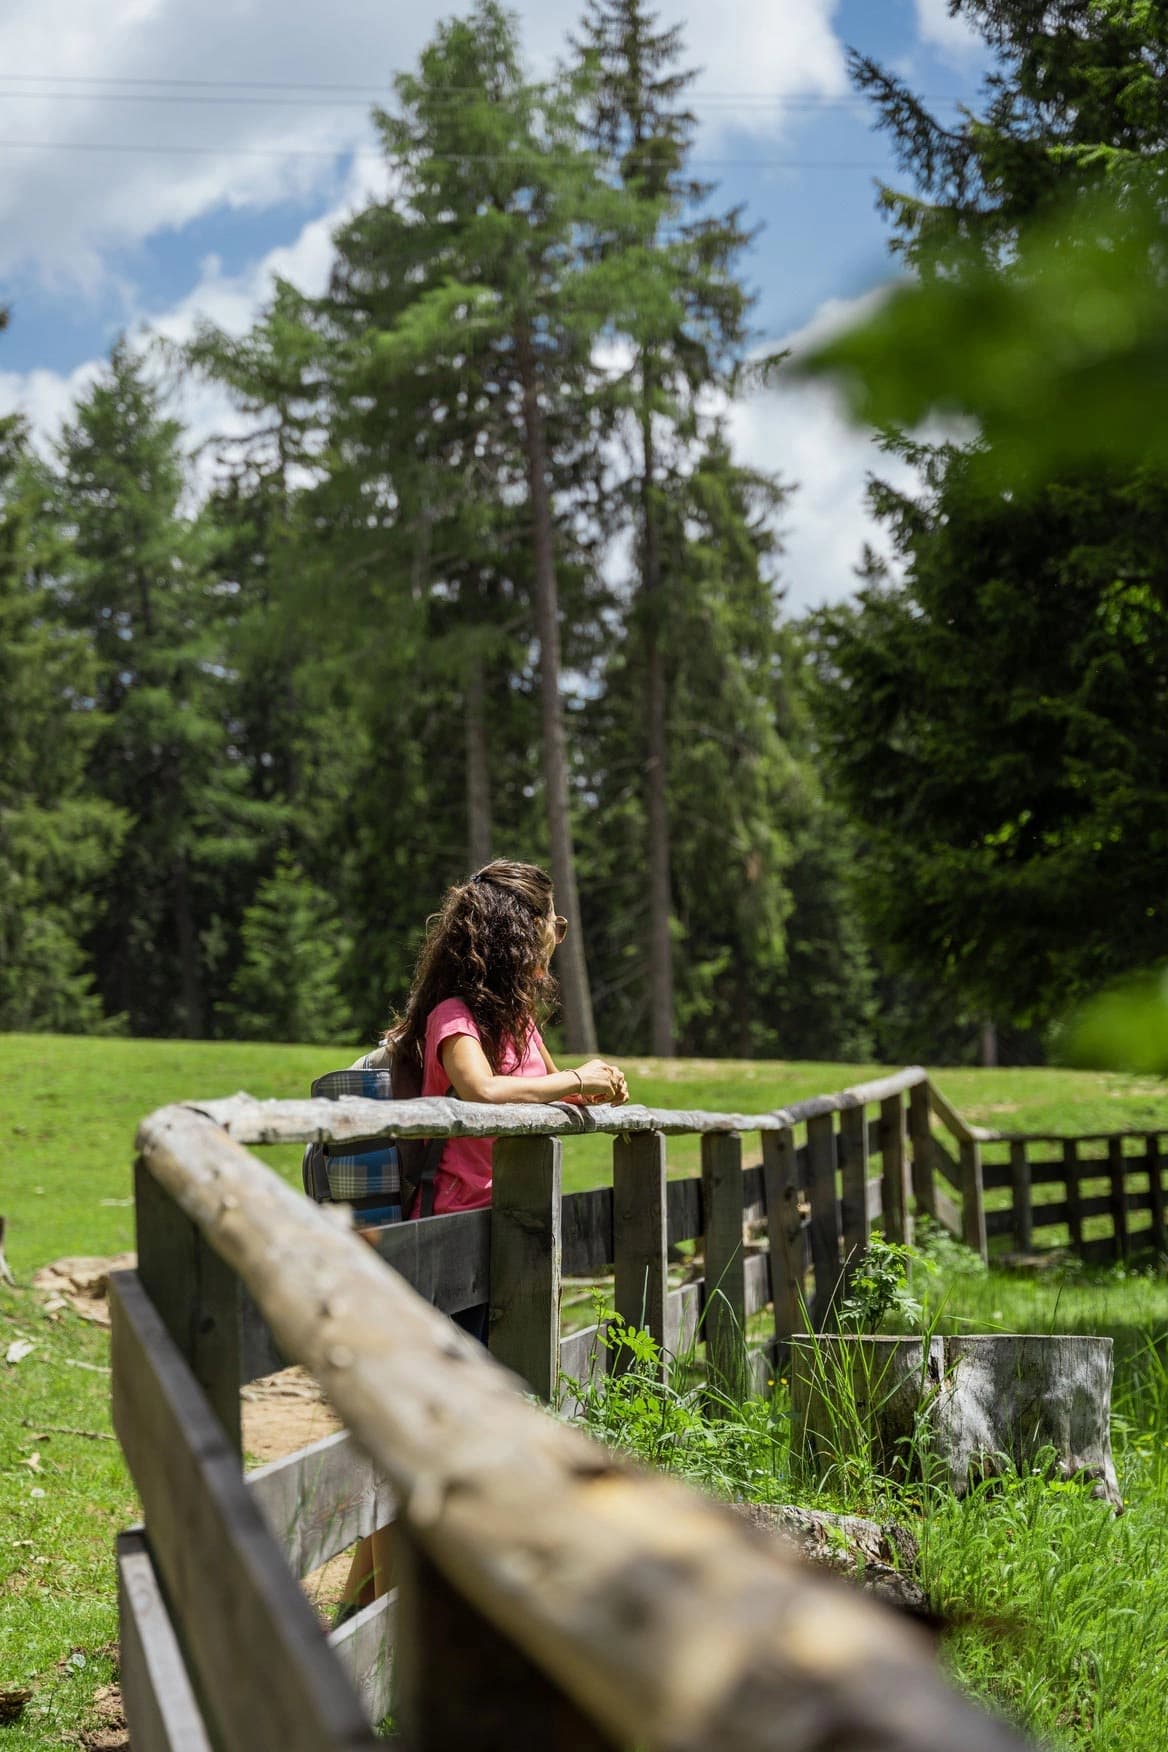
x: 639, y: 1235
x: 446, y: 1259
x: 973, y: 1227
x: 162, y: 1712
x: 525, y: 1260
x: 364, y: 1646
x: 725, y: 1294
x: 1023, y: 1225
x: 920, y: 1131
x: 825, y: 1225
x: 853, y: 1160
x: 786, y: 1215
x: 894, y: 1170
x: 320, y: 1500
x: 946, y: 1164
x: 464, y: 1687
x: 197, y: 1298
x: 249, y: 1121
x: 668, y: 1623
x: 239, y: 1613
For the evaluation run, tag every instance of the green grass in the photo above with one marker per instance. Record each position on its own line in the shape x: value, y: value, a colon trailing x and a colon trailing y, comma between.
x: 58, y: 1615
x: 1057, y: 1609
x: 68, y: 1111
x: 1081, y: 1596
x: 69, y: 1108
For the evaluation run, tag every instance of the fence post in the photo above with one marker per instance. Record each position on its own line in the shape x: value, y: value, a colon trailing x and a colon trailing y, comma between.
x: 198, y: 1297
x: 724, y: 1318
x: 825, y: 1233
x: 1074, y: 1201
x: 920, y: 1126
x: 780, y: 1179
x: 898, y: 1222
x: 853, y: 1158
x: 1116, y: 1169
x: 639, y: 1224
x: 459, y: 1682
x: 973, y: 1221
x: 1020, y: 1181
x: 525, y: 1260
x: 1156, y: 1194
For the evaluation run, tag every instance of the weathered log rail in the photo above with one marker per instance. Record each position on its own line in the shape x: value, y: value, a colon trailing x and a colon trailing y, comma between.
x: 547, y: 1595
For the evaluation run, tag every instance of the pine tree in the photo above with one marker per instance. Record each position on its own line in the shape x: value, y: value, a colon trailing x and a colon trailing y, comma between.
x: 132, y: 576
x: 56, y: 839
x: 1012, y: 816
x: 686, y: 320
x: 504, y: 202
x: 291, y: 967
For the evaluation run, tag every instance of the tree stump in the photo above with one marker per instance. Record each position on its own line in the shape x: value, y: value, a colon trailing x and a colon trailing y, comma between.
x: 965, y: 1408
x: 853, y: 1396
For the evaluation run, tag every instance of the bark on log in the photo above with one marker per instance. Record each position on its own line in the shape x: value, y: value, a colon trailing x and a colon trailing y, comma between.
x: 667, y: 1621
x: 880, y: 1556
x: 971, y: 1406
x: 1015, y: 1394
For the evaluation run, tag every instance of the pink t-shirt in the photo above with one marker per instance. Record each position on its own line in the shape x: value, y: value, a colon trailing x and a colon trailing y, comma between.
x: 463, y: 1181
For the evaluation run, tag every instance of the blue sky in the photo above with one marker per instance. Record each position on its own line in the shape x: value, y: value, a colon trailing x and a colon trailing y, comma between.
x: 183, y: 152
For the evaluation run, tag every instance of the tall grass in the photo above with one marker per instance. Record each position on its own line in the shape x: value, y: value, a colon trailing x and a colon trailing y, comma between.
x: 1057, y: 1609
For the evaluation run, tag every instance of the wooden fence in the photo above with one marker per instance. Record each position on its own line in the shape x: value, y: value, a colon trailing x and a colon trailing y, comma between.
x: 547, y: 1595
x: 1038, y: 1190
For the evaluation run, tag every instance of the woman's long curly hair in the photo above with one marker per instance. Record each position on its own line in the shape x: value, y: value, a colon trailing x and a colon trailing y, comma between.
x: 490, y: 945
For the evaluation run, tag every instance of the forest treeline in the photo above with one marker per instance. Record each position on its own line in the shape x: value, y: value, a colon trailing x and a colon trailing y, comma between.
x: 482, y: 575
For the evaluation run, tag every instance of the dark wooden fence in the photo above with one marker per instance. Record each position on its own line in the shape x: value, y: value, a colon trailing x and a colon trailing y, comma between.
x: 546, y: 1594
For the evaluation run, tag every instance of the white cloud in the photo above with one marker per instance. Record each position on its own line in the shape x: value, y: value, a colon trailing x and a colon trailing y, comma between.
x: 799, y: 430
x: 950, y: 33
x: 230, y: 301
x: 62, y: 209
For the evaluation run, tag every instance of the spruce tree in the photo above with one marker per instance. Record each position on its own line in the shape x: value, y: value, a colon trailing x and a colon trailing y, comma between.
x: 133, y: 578
x: 503, y: 201
x: 291, y: 966
x: 57, y: 840
x: 992, y: 715
x: 686, y: 319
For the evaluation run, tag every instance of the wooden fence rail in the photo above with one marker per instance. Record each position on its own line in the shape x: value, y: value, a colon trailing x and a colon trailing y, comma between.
x: 547, y: 1595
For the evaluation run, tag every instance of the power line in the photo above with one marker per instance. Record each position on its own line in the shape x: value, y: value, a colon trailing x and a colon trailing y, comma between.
x: 346, y: 150
x: 373, y: 90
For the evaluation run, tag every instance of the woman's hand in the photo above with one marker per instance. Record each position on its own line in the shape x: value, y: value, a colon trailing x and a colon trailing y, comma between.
x: 602, y: 1082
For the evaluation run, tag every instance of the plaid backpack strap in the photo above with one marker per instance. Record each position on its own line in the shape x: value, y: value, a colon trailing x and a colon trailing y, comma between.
x: 362, y: 1172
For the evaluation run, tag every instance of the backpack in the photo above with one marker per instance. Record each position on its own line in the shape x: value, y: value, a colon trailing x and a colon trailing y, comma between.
x: 381, y: 1178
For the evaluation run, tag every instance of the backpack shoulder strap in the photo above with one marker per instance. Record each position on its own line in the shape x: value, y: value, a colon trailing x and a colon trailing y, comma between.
x: 420, y: 1157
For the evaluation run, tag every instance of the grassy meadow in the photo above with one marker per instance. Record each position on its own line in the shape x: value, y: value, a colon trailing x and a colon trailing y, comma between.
x: 1084, y: 1597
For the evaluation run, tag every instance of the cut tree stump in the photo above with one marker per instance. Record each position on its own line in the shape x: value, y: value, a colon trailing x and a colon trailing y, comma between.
x: 968, y: 1407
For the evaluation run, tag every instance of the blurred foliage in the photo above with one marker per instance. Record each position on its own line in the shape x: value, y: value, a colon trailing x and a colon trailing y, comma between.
x: 1061, y: 356
x: 993, y: 705
x: 1125, y: 1028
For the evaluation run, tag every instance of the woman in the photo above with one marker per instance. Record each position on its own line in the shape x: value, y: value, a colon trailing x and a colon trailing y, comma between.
x: 471, y: 1027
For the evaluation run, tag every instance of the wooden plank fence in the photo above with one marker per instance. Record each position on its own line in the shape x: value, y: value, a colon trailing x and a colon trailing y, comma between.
x: 546, y: 1594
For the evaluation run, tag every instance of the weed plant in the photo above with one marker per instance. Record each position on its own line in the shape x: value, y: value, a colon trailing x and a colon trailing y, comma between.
x: 1056, y: 1609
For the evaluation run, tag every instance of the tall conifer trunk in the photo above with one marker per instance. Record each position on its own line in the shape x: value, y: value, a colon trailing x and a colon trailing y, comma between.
x: 656, y: 762
x: 478, y: 767
x: 579, y: 1027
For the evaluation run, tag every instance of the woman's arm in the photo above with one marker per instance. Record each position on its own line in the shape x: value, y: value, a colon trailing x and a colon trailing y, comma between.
x: 471, y: 1076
